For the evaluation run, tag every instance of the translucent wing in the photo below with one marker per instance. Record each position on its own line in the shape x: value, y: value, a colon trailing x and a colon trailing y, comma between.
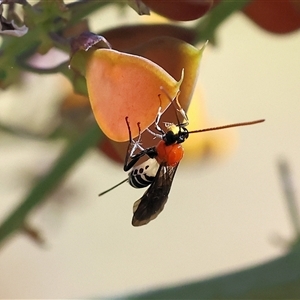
x: 152, y: 202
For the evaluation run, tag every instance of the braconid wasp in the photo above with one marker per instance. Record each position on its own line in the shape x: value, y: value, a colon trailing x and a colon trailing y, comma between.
x: 159, y: 170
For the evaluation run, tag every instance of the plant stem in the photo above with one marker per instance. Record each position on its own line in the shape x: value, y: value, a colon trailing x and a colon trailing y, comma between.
x: 207, y: 27
x: 43, y: 187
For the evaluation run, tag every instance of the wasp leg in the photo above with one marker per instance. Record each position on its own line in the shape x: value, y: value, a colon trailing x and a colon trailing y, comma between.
x: 157, y: 120
x: 181, y: 111
x: 151, y: 152
x: 156, y: 135
x: 156, y: 123
x: 136, y: 144
x: 178, y: 108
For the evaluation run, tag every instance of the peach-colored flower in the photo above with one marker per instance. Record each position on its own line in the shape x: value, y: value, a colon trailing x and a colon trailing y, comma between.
x: 128, y: 85
x: 122, y: 85
x: 112, y: 78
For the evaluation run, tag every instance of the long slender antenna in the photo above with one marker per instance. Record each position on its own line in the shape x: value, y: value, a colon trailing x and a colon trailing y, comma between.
x: 113, y: 187
x: 228, y: 126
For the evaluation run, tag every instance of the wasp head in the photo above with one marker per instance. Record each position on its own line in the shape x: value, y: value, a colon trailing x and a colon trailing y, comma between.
x: 176, y: 134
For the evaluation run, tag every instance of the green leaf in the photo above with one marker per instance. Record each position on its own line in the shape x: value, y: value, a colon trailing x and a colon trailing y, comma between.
x: 277, y: 279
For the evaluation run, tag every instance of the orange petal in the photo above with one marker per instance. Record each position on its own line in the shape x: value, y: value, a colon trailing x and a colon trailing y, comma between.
x: 123, y: 85
x: 174, y: 55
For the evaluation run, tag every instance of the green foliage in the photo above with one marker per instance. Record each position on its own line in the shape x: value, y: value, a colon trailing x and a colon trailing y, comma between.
x: 277, y: 279
x: 68, y: 158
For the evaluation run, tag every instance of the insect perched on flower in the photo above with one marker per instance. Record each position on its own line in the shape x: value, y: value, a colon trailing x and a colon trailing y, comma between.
x: 159, y: 170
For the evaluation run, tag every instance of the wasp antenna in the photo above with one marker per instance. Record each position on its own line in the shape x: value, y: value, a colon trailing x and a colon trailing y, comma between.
x: 228, y: 126
x: 101, y: 194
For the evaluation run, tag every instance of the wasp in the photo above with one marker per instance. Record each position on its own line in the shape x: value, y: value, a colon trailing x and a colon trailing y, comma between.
x: 163, y: 159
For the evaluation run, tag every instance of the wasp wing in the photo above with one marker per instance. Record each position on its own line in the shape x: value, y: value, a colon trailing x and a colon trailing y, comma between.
x: 152, y: 202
